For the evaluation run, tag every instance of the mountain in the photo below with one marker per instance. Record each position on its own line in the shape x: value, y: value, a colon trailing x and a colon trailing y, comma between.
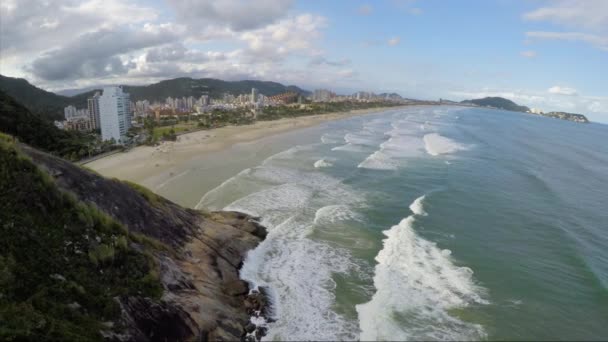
x: 50, y: 105
x: 180, y: 87
x: 83, y: 257
x: 33, y: 129
x: 498, y: 102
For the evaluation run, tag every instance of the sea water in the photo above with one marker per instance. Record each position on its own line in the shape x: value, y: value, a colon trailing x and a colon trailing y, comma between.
x: 432, y: 223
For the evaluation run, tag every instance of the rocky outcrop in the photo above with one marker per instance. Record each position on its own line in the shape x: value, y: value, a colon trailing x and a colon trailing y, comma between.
x: 203, y: 299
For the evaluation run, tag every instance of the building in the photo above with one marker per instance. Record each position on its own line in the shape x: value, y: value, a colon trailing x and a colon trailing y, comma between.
x: 536, y: 111
x: 70, y: 112
x: 93, y: 106
x: 322, y: 95
x: 115, y: 114
x: 254, y: 95
x: 81, y: 124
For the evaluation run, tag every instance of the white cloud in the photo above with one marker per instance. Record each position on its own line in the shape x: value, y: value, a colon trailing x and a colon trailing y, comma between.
x: 584, y: 21
x: 595, y: 40
x: 595, y: 107
x: 528, y: 54
x: 394, y: 41
x: 562, y: 91
x: 590, y: 14
x: 238, y: 15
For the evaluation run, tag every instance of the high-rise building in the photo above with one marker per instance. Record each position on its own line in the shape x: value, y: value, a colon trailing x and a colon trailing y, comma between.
x: 115, y: 114
x: 69, y: 112
x: 93, y: 105
x: 254, y: 95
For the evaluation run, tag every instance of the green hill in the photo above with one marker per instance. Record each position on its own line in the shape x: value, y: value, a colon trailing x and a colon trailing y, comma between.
x: 497, y: 102
x: 33, y: 129
x: 50, y: 105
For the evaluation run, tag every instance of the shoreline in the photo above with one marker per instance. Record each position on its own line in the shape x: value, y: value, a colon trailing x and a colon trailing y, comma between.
x: 148, y: 162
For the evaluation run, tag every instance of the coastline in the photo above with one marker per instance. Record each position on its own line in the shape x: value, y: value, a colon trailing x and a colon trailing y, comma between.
x: 144, y: 164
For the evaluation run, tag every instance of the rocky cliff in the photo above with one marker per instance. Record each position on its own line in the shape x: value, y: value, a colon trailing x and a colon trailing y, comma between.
x: 194, y: 258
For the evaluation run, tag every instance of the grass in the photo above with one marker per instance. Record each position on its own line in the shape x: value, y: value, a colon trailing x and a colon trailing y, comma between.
x: 56, y: 252
x: 150, y: 196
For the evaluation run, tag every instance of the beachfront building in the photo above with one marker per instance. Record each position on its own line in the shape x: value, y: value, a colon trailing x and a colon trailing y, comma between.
x: 115, y: 114
x: 254, y: 95
x: 93, y: 106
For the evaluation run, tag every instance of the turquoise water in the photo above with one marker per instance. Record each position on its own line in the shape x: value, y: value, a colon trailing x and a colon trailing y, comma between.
x: 432, y: 223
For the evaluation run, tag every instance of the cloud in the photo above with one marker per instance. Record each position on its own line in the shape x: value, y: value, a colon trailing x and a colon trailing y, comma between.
x: 294, y: 35
x: 32, y: 26
x: 528, y: 54
x: 238, y: 15
x: 365, y: 10
x: 394, y: 41
x: 584, y: 21
x: 562, y: 91
x: 590, y: 14
x: 596, y: 107
x: 320, y: 60
x: 97, y: 53
x: 595, y: 40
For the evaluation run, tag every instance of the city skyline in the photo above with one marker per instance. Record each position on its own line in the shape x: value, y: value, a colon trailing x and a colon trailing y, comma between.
x: 543, y: 54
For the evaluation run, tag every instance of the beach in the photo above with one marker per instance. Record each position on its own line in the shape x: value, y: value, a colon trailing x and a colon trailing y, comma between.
x: 155, y: 166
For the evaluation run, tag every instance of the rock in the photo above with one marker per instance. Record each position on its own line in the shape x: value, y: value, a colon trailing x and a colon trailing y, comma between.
x: 250, y: 327
x: 261, y: 332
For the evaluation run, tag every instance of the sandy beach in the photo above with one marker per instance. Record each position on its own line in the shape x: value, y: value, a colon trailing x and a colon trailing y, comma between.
x: 144, y: 164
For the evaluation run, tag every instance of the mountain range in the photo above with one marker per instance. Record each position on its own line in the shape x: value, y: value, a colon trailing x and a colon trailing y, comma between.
x: 50, y: 105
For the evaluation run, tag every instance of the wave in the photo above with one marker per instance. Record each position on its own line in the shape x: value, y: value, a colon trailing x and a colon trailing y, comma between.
x: 417, y: 206
x: 297, y: 270
x: 334, y: 213
x: 322, y: 163
x: 379, y: 161
x: 349, y: 148
x: 416, y: 286
x: 436, y: 144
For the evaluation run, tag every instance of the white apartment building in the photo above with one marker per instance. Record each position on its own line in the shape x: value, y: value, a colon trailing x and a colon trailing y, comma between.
x: 114, y: 114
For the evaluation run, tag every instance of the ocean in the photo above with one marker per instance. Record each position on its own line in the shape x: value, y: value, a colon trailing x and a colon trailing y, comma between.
x: 431, y: 223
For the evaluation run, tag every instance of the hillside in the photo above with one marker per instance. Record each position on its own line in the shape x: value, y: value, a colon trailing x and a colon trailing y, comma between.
x: 497, y: 102
x: 33, y: 129
x: 50, y: 105
x: 83, y: 257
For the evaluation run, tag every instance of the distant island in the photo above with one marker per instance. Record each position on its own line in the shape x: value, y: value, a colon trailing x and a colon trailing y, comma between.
x: 505, y: 104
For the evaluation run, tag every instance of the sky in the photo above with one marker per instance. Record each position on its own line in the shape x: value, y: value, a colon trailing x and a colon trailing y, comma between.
x: 547, y: 54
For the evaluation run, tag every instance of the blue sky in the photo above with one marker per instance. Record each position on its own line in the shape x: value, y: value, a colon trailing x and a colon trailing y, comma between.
x: 551, y: 55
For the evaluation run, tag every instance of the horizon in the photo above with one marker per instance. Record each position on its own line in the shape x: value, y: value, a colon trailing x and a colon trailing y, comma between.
x: 542, y: 54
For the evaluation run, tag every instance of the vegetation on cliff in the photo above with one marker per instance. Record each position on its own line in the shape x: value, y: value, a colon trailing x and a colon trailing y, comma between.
x: 34, y: 130
x: 498, y: 102
x: 63, y: 263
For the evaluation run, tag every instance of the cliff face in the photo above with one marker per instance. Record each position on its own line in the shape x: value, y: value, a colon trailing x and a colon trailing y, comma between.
x: 196, y: 256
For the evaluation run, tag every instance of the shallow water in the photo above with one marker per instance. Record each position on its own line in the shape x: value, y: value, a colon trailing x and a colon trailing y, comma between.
x: 426, y: 223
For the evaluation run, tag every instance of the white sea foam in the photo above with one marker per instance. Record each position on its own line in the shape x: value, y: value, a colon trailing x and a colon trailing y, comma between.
x: 361, y: 139
x: 392, y: 151
x: 322, y: 163
x: 334, y: 213
x: 349, y: 148
x: 416, y: 286
x: 297, y: 270
x: 436, y: 144
x: 379, y: 160
x: 417, y: 207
